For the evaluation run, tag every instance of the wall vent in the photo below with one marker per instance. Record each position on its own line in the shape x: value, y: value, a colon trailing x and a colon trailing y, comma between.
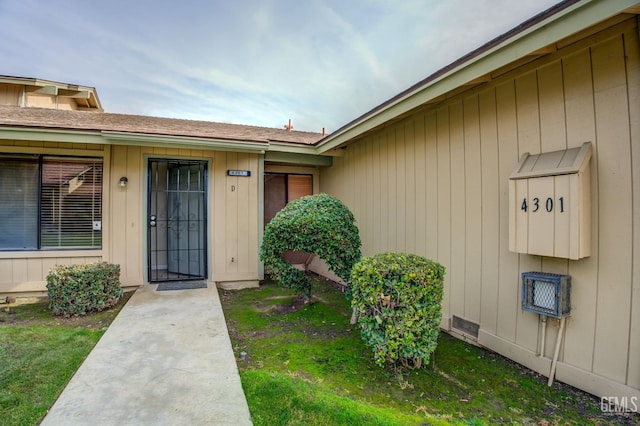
x: 465, y: 326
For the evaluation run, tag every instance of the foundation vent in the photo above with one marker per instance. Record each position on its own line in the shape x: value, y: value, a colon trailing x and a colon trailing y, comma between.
x: 465, y: 326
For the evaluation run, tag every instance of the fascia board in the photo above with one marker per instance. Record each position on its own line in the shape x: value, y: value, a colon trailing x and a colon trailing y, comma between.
x: 281, y: 152
x: 120, y: 138
x: 123, y: 138
x: 50, y: 135
x: 75, y: 94
x: 292, y: 148
x: 300, y: 159
x: 561, y: 25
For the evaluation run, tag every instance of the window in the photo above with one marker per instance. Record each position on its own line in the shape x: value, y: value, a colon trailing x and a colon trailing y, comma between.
x: 50, y: 203
x: 280, y: 188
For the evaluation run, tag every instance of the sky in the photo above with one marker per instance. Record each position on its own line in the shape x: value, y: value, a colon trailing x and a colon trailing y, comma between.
x: 258, y: 62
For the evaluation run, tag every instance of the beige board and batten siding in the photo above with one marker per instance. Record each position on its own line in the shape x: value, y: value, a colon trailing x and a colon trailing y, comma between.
x: 24, y: 273
x: 232, y: 217
x: 15, y: 95
x: 437, y: 183
x: 235, y: 220
x: 10, y: 94
x: 232, y: 214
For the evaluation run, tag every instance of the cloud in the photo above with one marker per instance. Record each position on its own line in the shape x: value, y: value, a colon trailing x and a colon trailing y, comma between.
x: 320, y: 63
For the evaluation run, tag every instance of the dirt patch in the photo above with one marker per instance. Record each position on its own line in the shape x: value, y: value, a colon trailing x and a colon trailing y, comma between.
x: 265, y: 305
x: 10, y: 301
x: 228, y: 295
x: 296, y: 304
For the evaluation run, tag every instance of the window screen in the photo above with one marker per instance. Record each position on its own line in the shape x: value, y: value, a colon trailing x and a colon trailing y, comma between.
x: 48, y: 203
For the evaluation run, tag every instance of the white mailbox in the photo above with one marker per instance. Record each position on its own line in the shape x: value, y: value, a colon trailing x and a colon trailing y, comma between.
x: 550, y: 204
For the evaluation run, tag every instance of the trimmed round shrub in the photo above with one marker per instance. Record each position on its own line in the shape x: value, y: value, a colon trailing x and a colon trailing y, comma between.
x: 316, y: 224
x: 81, y: 289
x: 397, y: 299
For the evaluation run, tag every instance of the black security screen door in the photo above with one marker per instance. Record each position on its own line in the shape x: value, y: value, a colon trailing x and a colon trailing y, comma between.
x: 177, y: 221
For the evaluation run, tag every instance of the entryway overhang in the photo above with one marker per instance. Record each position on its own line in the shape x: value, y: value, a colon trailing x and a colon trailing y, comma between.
x: 278, y: 157
x: 295, y: 153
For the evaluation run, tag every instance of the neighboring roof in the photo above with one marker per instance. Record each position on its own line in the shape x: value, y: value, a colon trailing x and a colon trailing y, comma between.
x: 86, y: 97
x: 16, y: 117
x: 530, y: 40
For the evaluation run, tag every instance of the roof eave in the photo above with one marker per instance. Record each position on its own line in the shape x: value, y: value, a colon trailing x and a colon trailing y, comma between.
x: 133, y: 139
x: 296, y: 153
x: 291, y: 147
x: 216, y: 144
x: 50, y: 135
x: 562, y: 24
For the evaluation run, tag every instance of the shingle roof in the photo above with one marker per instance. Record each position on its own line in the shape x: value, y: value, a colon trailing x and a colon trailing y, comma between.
x: 11, y: 116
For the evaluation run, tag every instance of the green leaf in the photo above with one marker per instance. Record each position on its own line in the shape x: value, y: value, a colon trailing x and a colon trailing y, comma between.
x: 401, y: 325
x: 316, y: 224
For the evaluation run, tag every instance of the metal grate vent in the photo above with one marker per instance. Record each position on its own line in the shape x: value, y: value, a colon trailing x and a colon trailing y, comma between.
x: 546, y: 294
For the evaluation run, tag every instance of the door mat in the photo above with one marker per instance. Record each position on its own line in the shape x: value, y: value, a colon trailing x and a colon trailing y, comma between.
x: 181, y: 285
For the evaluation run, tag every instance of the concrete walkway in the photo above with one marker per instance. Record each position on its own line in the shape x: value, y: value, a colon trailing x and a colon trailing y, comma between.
x: 165, y: 360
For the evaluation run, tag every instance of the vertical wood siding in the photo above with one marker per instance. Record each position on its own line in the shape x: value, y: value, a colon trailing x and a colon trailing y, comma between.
x: 436, y: 183
x: 9, y: 94
x: 232, y: 216
x: 235, y: 218
x: 632, y: 51
x: 126, y: 214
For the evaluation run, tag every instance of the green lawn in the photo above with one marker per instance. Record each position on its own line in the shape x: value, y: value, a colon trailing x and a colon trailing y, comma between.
x: 303, y: 366
x: 39, y: 354
x: 308, y: 365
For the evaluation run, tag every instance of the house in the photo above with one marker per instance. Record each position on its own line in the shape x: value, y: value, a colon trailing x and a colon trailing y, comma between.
x: 165, y: 199
x: 429, y: 172
x: 522, y: 156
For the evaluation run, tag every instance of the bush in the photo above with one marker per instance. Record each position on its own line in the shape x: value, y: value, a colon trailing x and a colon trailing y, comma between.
x: 81, y: 289
x: 319, y: 224
x: 397, y: 298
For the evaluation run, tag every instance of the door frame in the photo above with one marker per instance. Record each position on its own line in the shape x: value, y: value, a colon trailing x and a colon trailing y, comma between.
x: 147, y: 211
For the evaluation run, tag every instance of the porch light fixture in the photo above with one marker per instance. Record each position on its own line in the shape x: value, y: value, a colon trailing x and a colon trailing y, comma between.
x: 123, y: 182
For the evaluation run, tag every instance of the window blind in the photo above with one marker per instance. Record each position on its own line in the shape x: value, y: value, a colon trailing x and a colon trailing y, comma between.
x: 49, y: 202
x: 19, y: 203
x: 71, y: 203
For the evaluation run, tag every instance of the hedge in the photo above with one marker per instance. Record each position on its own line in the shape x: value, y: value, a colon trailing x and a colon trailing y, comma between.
x: 317, y: 224
x: 81, y: 289
x: 397, y: 300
